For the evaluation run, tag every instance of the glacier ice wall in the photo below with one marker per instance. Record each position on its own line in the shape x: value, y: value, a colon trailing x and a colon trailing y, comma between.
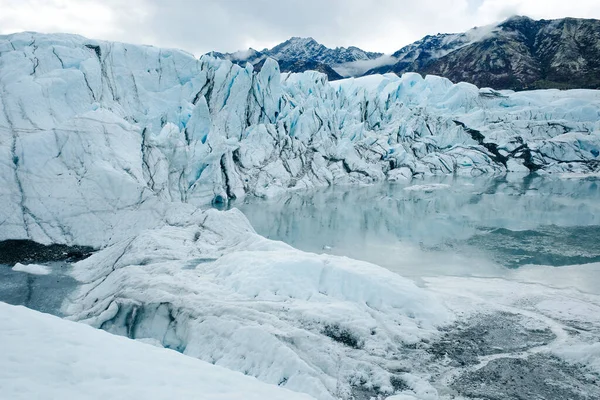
x: 101, y: 134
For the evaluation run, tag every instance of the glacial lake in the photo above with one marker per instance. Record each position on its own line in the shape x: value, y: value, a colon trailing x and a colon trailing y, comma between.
x: 462, y: 226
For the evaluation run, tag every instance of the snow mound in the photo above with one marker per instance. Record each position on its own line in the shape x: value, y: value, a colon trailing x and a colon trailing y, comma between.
x: 46, y: 357
x: 318, y: 324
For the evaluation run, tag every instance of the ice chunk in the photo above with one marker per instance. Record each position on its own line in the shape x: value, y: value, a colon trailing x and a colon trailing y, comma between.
x: 221, y: 293
x: 427, y: 188
x: 34, y: 269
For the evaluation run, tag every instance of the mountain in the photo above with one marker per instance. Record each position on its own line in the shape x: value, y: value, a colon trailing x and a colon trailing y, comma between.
x: 519, y: 53
x: 302, y: 54
x: 308, y: 48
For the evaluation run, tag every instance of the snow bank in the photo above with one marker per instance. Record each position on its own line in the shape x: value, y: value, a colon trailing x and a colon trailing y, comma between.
x: 46, y: 357
x: 220, y: 292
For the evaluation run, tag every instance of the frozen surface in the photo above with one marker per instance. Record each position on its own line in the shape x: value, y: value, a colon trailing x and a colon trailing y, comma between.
x: 96, y: 138
x: 47, y: 357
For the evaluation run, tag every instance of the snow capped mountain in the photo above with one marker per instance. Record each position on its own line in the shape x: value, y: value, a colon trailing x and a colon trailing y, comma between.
x: 418, y: 55
x: 308, y: 48
x: 519, y: 53
x: 302, y: 54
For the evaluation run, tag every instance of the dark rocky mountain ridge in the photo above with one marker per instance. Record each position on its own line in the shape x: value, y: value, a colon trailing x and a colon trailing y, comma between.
x: 301, y: 54
x: 519, y: 53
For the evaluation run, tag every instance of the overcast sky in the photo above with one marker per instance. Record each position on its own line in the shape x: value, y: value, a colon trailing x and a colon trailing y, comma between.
x: 229, y: 25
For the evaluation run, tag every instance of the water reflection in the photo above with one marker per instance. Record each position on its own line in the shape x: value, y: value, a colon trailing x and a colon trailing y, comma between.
x: 468, y: 226
x: 44, y: 293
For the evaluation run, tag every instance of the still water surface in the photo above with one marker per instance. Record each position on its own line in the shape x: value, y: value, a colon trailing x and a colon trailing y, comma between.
x: 443, y: 226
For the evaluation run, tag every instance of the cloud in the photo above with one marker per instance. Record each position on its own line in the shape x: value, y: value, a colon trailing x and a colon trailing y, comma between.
x: 361, y: 66
x: 200, y: 26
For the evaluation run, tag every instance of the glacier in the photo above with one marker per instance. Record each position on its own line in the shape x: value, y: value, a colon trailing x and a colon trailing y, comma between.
x: 215, y: 290
x: 113, y: 130
x: 122, y: 148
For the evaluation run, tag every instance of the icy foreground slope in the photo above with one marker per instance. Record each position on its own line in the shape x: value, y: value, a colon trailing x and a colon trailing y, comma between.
x: 89, y: 128
x: 213, y: 289
x: 336, y: 328
x: 46, y: 357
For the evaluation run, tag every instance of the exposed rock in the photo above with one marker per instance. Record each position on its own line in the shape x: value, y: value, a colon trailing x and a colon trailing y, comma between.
x: 299, y: 55
x: 519, y: 53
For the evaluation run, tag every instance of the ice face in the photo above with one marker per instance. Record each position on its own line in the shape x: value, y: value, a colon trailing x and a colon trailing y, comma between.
x: 114, y: 129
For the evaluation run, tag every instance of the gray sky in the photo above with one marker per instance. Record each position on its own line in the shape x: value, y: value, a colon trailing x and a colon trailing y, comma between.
x: 229, y: 25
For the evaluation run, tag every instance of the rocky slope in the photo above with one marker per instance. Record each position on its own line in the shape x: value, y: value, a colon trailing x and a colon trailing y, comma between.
x: 519, y: 53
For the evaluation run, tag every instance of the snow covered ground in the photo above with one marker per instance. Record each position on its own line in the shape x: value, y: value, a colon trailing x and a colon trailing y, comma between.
x: 525, y: 334
x: 215, y: 290
x: 47, y: 357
